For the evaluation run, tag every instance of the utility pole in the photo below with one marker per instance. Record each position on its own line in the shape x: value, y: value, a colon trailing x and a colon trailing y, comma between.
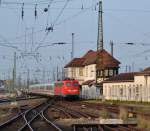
x: 54, y: 74
x: 72, y: 51
x: 28, y: 79
x: 43, y: 75
x: 25, y: 39
x: 63, y: 73
x: 112, y: 47
x: 57, y: 75
x: 14, y: 72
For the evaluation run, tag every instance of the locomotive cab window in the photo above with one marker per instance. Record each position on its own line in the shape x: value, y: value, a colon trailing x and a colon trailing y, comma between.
x: 68, y: 84
x: 59, y: 84
x: 75, y: 84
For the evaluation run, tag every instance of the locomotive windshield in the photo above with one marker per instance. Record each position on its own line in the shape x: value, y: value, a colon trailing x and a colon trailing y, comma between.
x: 59, y: 84
x: 75, y: 84
x: 68, y: 84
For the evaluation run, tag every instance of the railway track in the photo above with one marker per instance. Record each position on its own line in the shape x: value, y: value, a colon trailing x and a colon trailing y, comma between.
x: 111, y: 108
x: 13, y: 124
x: 75, y: 113
x: 36, y: 119
x: 98, y: 127
x: 31, y: 120
x: 4, y: 101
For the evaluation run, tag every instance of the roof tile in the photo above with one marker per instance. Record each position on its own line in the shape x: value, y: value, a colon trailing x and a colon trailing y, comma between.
x: 103, y: 58
x: 122, y: 77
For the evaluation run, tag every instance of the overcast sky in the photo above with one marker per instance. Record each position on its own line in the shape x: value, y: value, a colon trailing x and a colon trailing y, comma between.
x: 124, y: 21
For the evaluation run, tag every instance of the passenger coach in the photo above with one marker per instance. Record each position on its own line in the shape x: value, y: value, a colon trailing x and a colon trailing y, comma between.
x: 43, y: 89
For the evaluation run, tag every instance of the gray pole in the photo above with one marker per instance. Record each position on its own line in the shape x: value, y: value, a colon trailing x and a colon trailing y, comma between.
x: 112, y: 47
x: 100, y: 27
x: 54, y: 74
x: 14, y: 72
x: 57, y: 73
x: 43, y: 75
x: 26, y: 40
x: 72, y: 51
x: 32, y: 39
x: 28, y: 79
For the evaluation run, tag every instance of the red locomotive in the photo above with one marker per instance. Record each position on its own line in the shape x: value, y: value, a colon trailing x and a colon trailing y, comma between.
x: 67, y: 88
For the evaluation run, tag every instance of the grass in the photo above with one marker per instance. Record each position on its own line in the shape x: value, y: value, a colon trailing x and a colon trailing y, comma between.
x: 104, y: 114
x: 118, y: 102
x: 127, y: 102
x: 143, y: 123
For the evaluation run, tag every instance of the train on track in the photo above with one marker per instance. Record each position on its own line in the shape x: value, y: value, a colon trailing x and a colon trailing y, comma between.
x: 64, y: 88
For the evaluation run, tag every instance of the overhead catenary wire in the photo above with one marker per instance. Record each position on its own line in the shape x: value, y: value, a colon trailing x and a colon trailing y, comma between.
x: 61, y: 12
x: 130, y: 26
x: 48, y: 10
x: 30, y: 3
x: 41, y: 30
x: 51, y: 28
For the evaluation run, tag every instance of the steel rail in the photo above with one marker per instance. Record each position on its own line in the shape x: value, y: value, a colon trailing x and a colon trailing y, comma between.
x: 27, y: 124
x: 12, y: 120
x: 86, y: 115
x: 68, y: 114
x: 40, y: 113
x: 50, y: 122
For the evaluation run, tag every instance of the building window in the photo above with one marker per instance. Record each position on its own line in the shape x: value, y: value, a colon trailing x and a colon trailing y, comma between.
x: 91, y: 72
x: 86, y: 71
x: 81, y: 71
x: 101, y: 73
x: 121, y: 91
x: 98, y: 73
x: 110, y: 72
x: 137, y: 90
x: 106, y: 73
x: 74, y: 72
x: 115, y: 72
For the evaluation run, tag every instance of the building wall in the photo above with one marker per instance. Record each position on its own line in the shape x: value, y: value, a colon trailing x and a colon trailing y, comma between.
x: 90, y: 72
x: 76, y: 73
x: 90, y: 92
x: 138, y: 90
x: 81, y: 73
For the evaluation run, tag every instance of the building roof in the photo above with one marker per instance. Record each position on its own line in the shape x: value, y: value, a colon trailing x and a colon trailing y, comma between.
x: 103, y: 58
x: 88, y: 82
x: 76, y: 62
x: 146, y: 71
x: 122, y: 77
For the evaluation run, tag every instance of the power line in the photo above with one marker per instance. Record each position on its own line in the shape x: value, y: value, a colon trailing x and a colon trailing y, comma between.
x: 61, y: 12
x: 130, y: 26
x: 128, y: 10
x: 75, y: 15
x: 48, y: 29
x: 31, y: 3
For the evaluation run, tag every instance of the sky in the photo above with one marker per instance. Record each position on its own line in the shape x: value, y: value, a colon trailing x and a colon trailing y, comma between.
x: 124, y: 21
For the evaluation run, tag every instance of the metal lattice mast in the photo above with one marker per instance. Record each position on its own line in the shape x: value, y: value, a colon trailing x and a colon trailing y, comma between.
x: 100, y: 28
